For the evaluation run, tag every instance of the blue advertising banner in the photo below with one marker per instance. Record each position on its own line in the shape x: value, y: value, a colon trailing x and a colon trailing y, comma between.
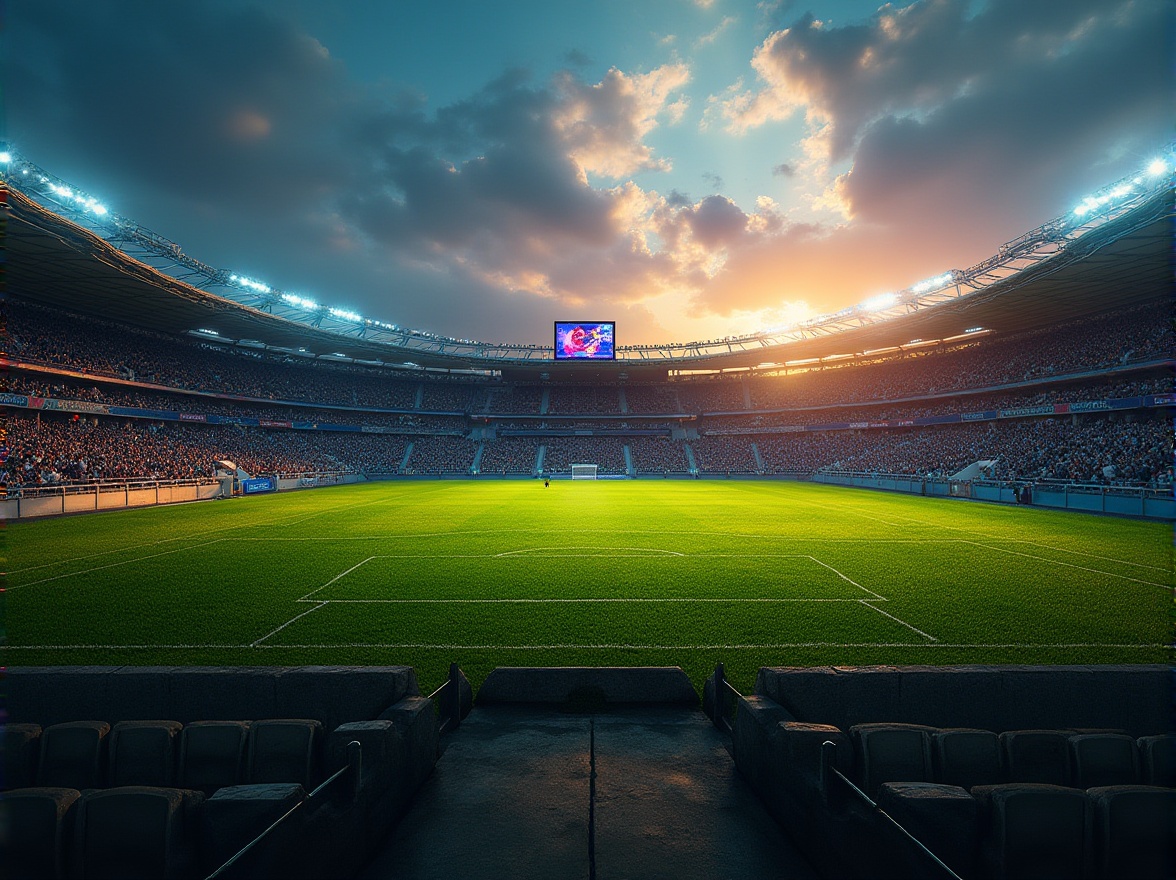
x: 258, y: 484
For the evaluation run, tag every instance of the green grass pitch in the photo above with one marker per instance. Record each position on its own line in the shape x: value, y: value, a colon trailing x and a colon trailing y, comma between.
x: 607, y: 573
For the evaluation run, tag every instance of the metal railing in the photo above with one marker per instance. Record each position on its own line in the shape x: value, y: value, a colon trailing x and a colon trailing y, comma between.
x: 723, y: 707
x: 726, y: 699
x: 447, y: 699
x: 342, y: 784
x: 829, y: 773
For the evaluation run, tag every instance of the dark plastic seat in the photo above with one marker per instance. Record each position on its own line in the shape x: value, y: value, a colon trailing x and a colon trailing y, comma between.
x: 136, y: 832
x: 1157, y: 759
x: 20, y: 744
x: 143, y: 753
x: 284, y: 750
x: 212, y: 754
x: 1134, y: 828
x: 1034, y: 830
x: 72, y: 755
x: 34, y: 829
x: 891, y: 753
x: 965, y: 756
x: 1041, y: 756
x: 1102, y: 759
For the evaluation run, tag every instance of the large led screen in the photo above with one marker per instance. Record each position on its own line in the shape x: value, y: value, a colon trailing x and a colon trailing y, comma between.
x: 585, y: 340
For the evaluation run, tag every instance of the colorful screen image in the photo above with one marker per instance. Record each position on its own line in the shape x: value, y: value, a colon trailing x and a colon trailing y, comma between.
x: 589, y: 340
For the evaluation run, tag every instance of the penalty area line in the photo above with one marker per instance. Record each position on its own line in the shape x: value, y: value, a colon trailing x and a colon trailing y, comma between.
x: 286, y: 624
x: 870, y: 604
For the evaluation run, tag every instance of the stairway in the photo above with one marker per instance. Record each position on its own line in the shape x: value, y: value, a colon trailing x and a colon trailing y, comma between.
x: 526, y: 791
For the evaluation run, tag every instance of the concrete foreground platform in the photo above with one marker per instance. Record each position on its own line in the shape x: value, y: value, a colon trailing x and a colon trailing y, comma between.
x: 512, y: 797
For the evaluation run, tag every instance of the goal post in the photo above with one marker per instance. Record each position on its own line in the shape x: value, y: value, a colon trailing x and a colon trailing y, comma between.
x: 583, y: 472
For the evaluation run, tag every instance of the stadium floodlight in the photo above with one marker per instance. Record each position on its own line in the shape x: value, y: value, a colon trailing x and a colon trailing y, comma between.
x: 5, y: 157
x: 346, y: 315
x: 1157, y: 167
x: 933, y: 283
x: 880, y: 301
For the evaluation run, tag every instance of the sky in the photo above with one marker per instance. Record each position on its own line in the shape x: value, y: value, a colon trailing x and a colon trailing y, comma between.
x: 691, y: 169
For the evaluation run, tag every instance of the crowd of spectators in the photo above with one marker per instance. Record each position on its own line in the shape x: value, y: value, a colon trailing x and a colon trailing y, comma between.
x: 53, y: 450
x: 520, y: 399
x: 59, y: 339
x: 883, y: 410
x: 716, y: 455
x: 607, y: 453
x: 654, y: 399
x: 657, y: 455
x: 583, y: 400
x: 125, y: 395
x: 510, y: 455
x: 1093, y: 449
x: 441, y: 455
x: 1136, y: 335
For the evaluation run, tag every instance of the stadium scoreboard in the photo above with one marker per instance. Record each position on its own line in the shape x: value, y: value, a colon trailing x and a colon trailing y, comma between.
x: 585, y: 340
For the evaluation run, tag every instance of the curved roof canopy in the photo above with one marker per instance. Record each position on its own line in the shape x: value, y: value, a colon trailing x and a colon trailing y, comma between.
x: 1063, y: 270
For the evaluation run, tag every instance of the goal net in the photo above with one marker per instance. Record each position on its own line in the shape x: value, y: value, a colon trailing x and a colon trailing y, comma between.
x: 583, y: 472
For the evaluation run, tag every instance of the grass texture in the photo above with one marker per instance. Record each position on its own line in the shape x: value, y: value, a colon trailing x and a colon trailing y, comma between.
x: 607, y: 573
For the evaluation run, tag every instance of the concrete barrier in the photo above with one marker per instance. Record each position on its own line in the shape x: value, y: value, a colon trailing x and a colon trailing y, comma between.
x: 331, y: 694
x: 1135, y: 698
x: 648, y: 684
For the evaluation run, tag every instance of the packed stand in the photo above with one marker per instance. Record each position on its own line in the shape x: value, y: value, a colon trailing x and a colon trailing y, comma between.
x: 510, y: 455
x: 562, y: 452
x: 657, y: 455
x: 718, y: 455
x: 588, y: 400
x: 653, y: 399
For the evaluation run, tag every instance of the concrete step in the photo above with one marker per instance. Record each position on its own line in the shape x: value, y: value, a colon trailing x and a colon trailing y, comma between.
x: 511, y: 797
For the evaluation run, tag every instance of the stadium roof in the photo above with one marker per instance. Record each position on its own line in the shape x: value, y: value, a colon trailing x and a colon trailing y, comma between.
x: 1061, y: 271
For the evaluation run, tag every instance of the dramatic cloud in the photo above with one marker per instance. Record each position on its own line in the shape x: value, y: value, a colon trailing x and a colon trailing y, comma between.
x: 916, y: 140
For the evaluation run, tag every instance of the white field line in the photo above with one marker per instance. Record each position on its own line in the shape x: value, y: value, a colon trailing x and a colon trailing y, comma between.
x: 1042, y: 646
x: 57, y: 577
x: 286, y: 624
x: 1167, y: 587
x: 619, y: 599
x: 335, y: 578
x: 843, y: 577
x: 869, y: 604
x: 988, y: 537
x: 557, y: 552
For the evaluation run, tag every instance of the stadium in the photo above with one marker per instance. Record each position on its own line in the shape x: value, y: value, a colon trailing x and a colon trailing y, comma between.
x: 717, y: 493
x: 297, y: 591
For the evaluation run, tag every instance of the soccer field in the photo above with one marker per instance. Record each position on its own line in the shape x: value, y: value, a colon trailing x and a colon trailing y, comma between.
x: 608, y: 573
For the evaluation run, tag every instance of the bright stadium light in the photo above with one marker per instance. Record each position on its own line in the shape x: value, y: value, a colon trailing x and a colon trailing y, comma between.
x: 346, y: 315
x: 300, y: 301
x: 1157, y: 167
x: 880, y: 301
x: 5, y: 157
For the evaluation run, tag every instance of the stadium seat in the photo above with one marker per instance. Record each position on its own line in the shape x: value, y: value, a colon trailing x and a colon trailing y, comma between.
x: 34, y: 829
x: 944, y: 818
x: 1036, y: 756
x: 72, y: 754
x: 212, y: 754
x: 1034, y: 830
x: 237, y: 814
x: 135, y: 832
x: 1157, y: 756
x: 891, y: 753
x: 284, y: 750
x: 966, y: 757
x: 1102, y: 759
x: 20, y: 744
x: 142, y: 753
x: 1134, y: 831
